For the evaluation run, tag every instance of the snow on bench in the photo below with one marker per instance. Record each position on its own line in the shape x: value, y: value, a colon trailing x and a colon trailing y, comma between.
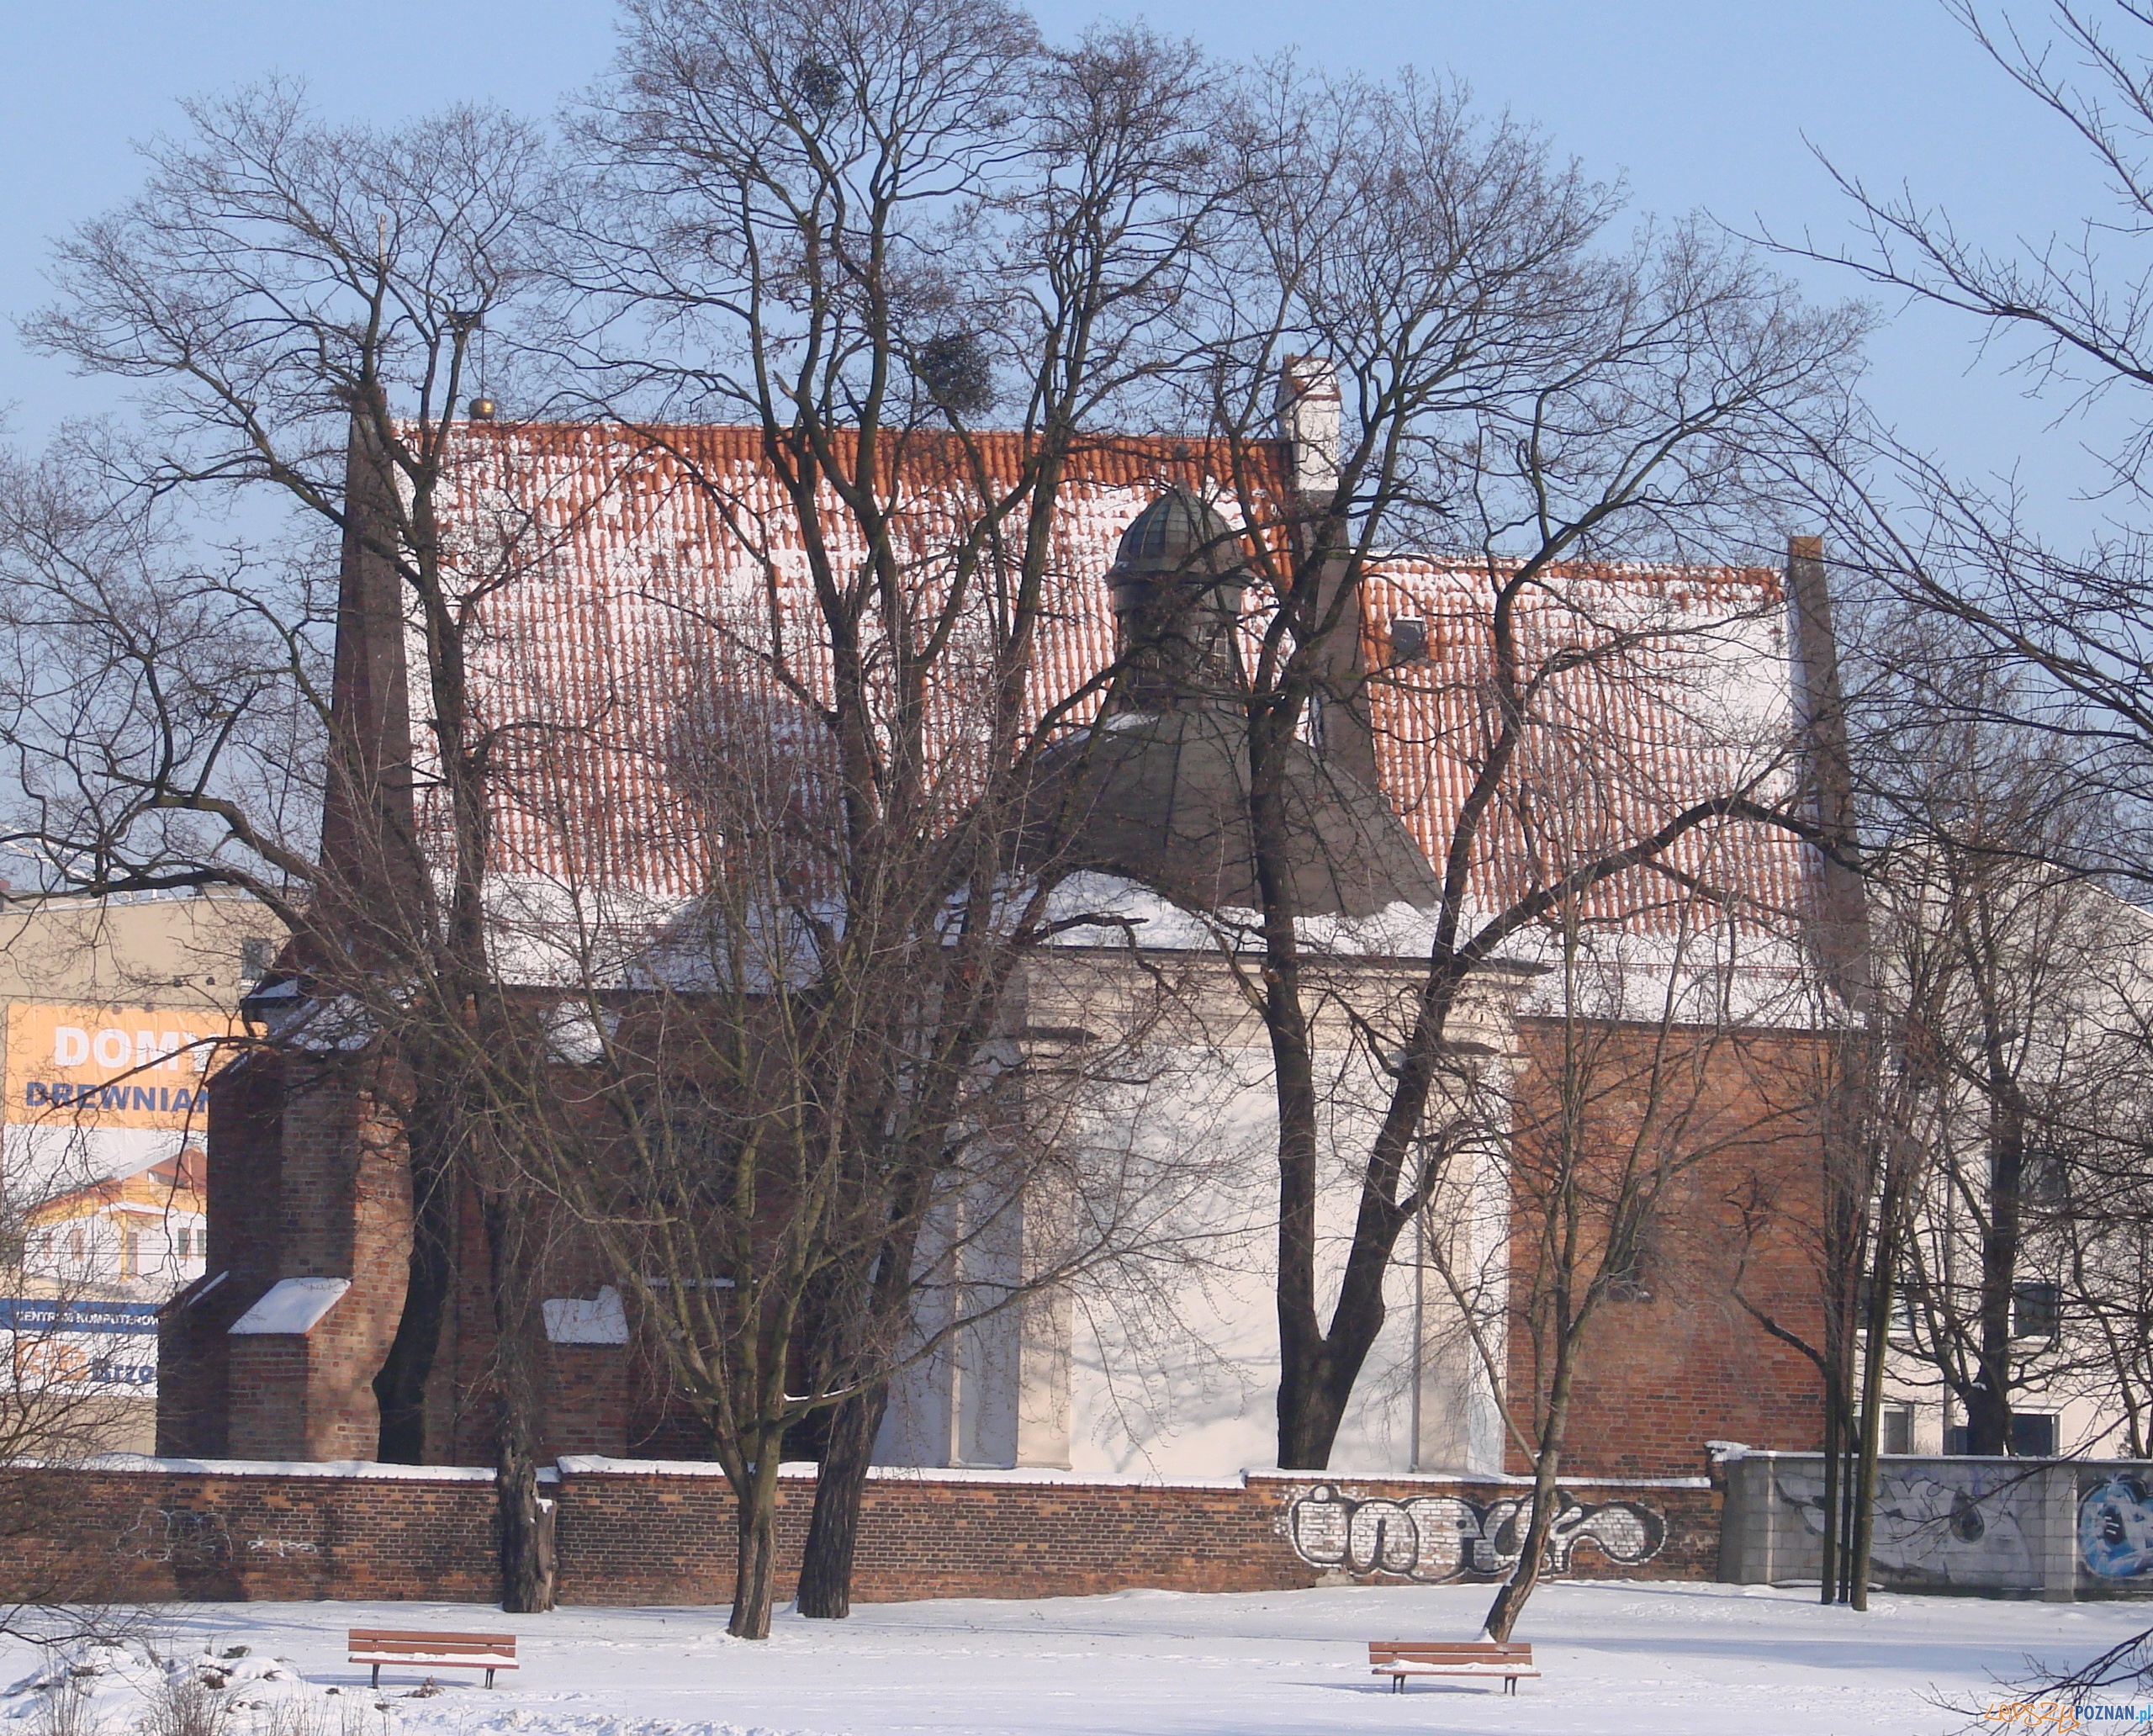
x: 1398, y: 1659
x: 432, y: 1651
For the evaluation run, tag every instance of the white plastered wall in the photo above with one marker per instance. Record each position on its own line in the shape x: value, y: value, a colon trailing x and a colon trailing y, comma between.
x: 1164, y: 1360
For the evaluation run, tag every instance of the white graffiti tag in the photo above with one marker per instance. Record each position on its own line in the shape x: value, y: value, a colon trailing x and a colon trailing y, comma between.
x: 1433, y: 1537
x: 178, y: 1535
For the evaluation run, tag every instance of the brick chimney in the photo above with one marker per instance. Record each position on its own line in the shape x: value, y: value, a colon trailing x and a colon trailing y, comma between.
x: 1311, y: 419
x: 369, y: 844
x: 1841, y: 936
x: 1310, y: 422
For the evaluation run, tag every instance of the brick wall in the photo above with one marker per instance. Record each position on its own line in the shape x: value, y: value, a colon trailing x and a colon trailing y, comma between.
x: 1675, y: 1359
x: 220, y: 1534
x: 629, y: 1535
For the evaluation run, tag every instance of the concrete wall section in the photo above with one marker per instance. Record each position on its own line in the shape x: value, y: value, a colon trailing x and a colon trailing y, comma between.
x: 2057, y: 1529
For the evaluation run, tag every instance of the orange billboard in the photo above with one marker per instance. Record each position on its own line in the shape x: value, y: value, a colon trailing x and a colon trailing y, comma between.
x: 110, y: 1066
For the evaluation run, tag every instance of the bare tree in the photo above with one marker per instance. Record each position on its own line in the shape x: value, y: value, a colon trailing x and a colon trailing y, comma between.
x: 1519, y: 389
x: 2012, y: 977
x: 2064, y: 630
x: 801, y: 1179
x: 300, y: 304
x: 2059, y: 633
x: 857, y: 230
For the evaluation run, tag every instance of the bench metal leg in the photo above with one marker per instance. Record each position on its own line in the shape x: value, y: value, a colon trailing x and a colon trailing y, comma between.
x: 376, y: 1682
x: 489, y: 1678
x: 1509, y: 1684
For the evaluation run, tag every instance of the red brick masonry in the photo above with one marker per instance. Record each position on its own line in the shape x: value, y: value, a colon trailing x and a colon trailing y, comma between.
x: 639, y: 1533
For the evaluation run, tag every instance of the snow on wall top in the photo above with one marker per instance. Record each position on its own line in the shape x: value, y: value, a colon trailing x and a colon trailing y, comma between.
x: 578, y: 1320
x: 595, y: 1464
x: 292, y: 1304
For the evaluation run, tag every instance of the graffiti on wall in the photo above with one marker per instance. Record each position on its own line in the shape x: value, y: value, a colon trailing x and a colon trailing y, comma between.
x: 1432, y: 1537
x: 178, y: 1535
x: 2115, y: 1528
x: 1965, y: 1529
x: 194, y: 1540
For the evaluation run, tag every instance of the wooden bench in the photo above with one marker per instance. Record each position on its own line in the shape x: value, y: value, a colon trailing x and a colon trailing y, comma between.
x: 1399, y: 1658
x: 432, y: 1651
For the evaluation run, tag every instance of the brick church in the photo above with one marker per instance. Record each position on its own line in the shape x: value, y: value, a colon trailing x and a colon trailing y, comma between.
x: 273, y: 1353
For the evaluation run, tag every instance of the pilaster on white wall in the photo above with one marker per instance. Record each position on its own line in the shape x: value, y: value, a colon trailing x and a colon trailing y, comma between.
x: 1461, y: 1255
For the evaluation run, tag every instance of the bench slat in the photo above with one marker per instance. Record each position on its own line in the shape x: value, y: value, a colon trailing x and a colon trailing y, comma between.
x: 1497, y: 1646
x: 411, y: 1649
x: 394, y: 1635
x: 1403, y: 1660
x: 1454, y: 1669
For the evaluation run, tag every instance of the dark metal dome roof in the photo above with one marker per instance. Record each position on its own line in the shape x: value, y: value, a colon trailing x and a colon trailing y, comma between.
x: 1177, y: 533
x: 1176, y: 583
x: 1158, y: 791
x: 1163, y: 799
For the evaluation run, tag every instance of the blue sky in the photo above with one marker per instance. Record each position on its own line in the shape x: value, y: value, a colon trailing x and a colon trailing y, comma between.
x: 1702, y: 106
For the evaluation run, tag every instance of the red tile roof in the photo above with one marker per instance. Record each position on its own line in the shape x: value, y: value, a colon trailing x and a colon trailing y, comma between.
x: 1681, y: 691
x: 621, y: 578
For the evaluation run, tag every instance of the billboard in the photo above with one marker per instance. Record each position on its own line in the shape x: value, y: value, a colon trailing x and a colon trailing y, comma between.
x: 80, y: 1347
x: 137, y: 1068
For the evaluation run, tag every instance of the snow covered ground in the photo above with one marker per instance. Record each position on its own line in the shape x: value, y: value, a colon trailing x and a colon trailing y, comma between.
x: 1627, y: 1660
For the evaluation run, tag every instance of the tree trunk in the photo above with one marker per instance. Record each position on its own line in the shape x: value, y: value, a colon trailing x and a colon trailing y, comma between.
x: 1828, y: 1541
x: 1511, y: 1596
x: 526, y: 1522
x: 527, y: 1531
x: 833, y: 1529
x: 400, y: 1388
x: 1308, y: 1420
x: 1309, y: 1413
x: 1884, y: 1267
x: 1863, y: 1489
x: 755, y: 1570
x: 1988, y: 1404
x: 1850, y: 1473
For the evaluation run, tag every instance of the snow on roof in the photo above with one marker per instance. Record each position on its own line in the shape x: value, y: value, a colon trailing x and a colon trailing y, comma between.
x: 293, y: 1305
x: 636, y: 575
x: 578, y: 1320
x: 1669, y: 685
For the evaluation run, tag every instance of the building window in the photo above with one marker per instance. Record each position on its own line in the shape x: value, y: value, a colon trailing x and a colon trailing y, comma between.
x: 2033, y: 1434
x: 258, y: 957
x: 1902, y: 1307
x: 2036, y: 1310
x: 130, y: 1253
x: 1898, y: 1433
x: 2041, y: 1176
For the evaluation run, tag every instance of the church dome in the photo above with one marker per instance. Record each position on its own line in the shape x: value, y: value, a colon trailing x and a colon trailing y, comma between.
x: 1177, y: 533
x: 1158, y: 791
x: 1163, y: 799
x: 1177, y: 583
